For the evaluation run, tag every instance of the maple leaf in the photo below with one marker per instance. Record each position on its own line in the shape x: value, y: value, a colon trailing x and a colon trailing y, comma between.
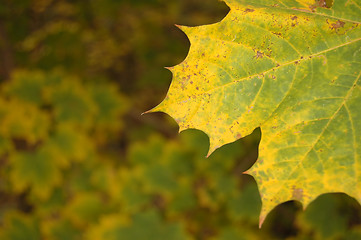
x: 291, y: 68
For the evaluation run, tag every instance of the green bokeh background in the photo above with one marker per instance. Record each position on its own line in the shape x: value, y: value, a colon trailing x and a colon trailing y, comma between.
x: 77, y: 159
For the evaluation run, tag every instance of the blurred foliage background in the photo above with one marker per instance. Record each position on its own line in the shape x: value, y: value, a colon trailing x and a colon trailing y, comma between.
x: 77, y: 159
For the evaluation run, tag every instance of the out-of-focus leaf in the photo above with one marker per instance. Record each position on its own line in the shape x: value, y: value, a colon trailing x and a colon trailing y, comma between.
x: 245, y: 205
x: 142, y: 154
x: 110, y: 106
x: 159, y: 179
x: 85, y: 209
x: 131, y: 193
x: 35, y: 170
x: 107, y: 224
x: 151, y: 225
x: 19, y: 227
x: 104, y: 178
x: 80, y: 175
x: 72, y: 104
x: 51, y: 206
x: 179, y: 161
x: 327, y: 217
x: 5, y: 145
x: 353, y: 234
x: 69, y: 144
x: 27, y: 86
x: 60, y: 230
x: 12, y: 124
x: 239, y: 232
x: 183, y: 200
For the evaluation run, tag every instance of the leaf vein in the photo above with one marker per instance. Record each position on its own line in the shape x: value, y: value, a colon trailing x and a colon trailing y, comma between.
x: 323, y: 130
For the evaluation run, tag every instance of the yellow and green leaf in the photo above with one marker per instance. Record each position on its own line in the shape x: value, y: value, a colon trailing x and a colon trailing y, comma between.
x: 292, y: 68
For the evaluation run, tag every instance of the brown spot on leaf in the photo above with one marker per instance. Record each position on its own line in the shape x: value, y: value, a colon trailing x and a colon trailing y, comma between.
x: 295, y: 22
x: 297, y: 193
x: 277, y: 34
x: 321, y: 4
x: 324, y: 3
x: 248, y: 10
x: 338, y: 24
x: 259, y: 54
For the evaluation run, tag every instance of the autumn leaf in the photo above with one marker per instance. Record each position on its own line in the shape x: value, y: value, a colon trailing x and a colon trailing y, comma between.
x: 291, y: 68
x: 36, y: 169
x: 145, y: 225
x: 19, y: 226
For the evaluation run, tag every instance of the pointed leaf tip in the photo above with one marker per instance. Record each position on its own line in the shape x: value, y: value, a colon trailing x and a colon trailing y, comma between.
x: 149, y: 111
x: 182, y: 27
x: 153, y: 110
x: 261, y: 221
x: 178, y: 26
x: 211, y: 149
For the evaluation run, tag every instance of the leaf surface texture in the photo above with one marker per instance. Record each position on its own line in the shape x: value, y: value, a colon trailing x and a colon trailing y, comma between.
x: 291, y: 68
